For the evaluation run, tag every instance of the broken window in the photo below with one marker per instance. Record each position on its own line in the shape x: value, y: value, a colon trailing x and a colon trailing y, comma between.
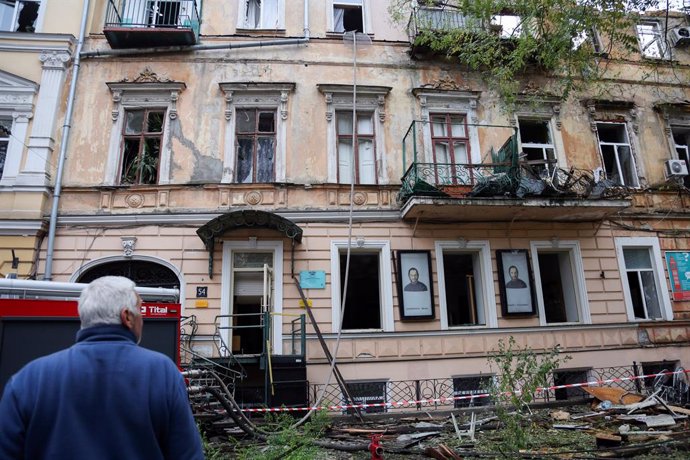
x: 142, y: 134
x: 358, y: 148
x: 507, y: 25
x: 348, y: 15
x: 651, y: 384
x: 5, y: 132
x: 616, y: 153
x: 363, y: 297
x: 642, y: 283
x: 472, y: 386
x: 19, y: 15
x: 371, y: 392
x: 463, y: 289
x: 537, y: 145
x: 558, y: 287
x: 451, y: 148
x: 569, y: 377
x: 681, y: 141
x: 256, y: 145
x: 261, y: 14
x: 650, y: 35
x: 591, y: 37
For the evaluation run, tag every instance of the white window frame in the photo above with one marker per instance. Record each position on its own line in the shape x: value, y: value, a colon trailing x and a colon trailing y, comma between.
x: 652, y: 244
x: 577, y: 269
x: 550, y: 116
x: 658, y: 38
x: 247, y: 95
x: 369, y: 99
x: 487, y: 293
x: 132, y: 96
x: 383, y: 248
x: 630, y: 146
x: 241, y: 16
x: 366, y: 16
x: 17, y: 103
x: 268, y: 246
x: 38, y: 25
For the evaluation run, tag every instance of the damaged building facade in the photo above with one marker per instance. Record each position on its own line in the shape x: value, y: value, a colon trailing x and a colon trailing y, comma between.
x: 224, y: 166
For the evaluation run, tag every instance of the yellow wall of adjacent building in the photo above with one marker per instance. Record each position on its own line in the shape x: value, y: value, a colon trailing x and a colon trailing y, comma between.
x: 24, y: 247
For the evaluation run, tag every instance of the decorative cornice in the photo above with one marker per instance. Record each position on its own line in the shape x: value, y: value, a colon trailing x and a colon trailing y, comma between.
x: 146, y: 76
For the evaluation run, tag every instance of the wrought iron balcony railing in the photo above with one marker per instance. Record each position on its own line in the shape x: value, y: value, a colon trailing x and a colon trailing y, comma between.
x: 176, y: 20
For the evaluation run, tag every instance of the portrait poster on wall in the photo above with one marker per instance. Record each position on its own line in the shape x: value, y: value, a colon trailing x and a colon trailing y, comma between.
x: 415, y: 286
x: 515, y: 282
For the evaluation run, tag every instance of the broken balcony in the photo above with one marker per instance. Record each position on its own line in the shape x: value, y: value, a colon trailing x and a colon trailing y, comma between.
x: 152, y: 23
x: 467, y: 172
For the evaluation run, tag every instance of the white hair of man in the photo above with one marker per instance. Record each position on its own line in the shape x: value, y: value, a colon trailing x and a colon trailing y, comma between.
x: 104, y: 298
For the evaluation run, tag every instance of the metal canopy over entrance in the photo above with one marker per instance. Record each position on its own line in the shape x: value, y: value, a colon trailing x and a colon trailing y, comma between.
x: 244, y: 219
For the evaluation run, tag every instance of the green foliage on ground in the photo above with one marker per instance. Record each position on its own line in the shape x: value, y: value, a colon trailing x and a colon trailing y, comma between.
x: 287, y: 441
x: 520, y: 372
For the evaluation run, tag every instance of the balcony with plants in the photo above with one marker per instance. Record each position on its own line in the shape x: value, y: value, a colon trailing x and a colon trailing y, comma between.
x: 152, y: 23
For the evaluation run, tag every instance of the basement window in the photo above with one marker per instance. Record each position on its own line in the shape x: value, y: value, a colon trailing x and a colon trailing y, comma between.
x: 369, y: 392
x: 472, y: 386
x: 657, y: 367
x: 568, y: 377
x: 19, y: 15
x: 348, y: 15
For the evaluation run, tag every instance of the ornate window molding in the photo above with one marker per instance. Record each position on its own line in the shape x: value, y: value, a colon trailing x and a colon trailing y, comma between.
x: 547, y: 111
x: 623, y: 112
x: 260, y: 96
x: 16, y: 102
x: 432, y: 100
x: 146, y: 91
x: 369, y: 99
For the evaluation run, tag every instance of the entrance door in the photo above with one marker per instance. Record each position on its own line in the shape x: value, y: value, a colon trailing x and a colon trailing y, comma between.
x: 251, y: 298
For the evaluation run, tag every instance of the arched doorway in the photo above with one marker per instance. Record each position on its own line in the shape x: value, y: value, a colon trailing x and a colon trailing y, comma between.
x: 143, y: 272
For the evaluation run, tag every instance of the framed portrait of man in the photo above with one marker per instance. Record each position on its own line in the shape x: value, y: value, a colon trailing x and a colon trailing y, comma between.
x: 415, y: 286
x: 515, y: 282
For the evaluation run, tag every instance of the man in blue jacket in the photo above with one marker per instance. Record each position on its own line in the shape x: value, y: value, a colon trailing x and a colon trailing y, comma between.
x: 102, y: 398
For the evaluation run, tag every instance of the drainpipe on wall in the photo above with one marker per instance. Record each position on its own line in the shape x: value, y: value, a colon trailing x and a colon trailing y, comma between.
x: 157, y: 50
x: 48, y: 275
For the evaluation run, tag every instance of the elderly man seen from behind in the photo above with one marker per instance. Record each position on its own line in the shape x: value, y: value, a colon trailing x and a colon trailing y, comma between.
x: 104, y: 397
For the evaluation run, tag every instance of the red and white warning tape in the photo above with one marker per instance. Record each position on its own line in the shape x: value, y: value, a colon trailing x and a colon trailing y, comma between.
x: 445, y: 400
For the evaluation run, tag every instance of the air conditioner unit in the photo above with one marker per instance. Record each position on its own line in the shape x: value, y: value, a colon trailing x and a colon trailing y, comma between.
x: 680, y: 36
x: 676, y: 168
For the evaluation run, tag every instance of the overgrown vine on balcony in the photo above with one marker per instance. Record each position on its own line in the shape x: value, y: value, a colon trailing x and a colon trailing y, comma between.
x: 553, y: 40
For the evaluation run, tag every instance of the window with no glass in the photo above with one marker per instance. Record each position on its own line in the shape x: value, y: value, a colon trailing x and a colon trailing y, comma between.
x: 558, y: 287
x: 537, y: 145
x: 357, y: 148
x: 19, y: 15
x: 5, y: 131
x: 348, y: 16
x: 681, y: 140
x: 256, y: 145
x: 141, y: 146
x: 652, y: 40
x: 373, y: 392
x: 463, y: 289
x: 616, y: 153
x: 363, y: 297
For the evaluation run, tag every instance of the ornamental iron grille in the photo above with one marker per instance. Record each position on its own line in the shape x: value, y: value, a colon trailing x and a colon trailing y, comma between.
x: 143, y: 273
